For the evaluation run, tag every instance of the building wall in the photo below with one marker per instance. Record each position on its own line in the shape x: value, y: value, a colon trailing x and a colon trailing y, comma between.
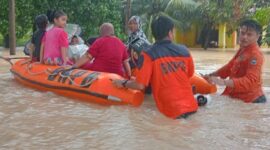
x: 190, y: 37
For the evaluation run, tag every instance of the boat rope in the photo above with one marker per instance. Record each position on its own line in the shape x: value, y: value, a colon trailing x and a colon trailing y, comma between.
x: 7, y: 60
x: 49, y: 71
x: 76, y: 84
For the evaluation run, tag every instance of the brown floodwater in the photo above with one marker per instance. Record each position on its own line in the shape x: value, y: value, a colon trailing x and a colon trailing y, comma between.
x: 30, y: 119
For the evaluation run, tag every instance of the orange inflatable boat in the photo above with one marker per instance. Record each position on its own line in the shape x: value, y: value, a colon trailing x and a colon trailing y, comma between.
x: 86, y: 85
x: 201, y: 86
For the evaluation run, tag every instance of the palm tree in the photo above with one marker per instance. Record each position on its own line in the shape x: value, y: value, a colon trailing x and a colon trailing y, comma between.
x: 178, y: 10
x: 215, y: 12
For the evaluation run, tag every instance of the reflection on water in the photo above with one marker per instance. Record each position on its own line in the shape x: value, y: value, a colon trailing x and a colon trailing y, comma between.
x: 42, y: 120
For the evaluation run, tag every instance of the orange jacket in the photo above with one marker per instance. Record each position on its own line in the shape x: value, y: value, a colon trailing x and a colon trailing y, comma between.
x: 245, y: 70
x: 168, y: 67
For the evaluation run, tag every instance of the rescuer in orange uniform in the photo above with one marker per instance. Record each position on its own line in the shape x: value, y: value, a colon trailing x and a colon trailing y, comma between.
x: 168, y: 67
x: 244, y: 70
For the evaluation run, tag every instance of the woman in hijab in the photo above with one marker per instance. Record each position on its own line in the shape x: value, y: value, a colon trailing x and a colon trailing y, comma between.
x: 135, y: 30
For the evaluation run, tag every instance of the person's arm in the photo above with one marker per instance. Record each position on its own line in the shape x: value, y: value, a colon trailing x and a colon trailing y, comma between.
x: 83, y: 60
x: 132, y: 84
x: 31, y: 46
x: 88, y: 56
x: 127, y: 67
x: 223, y: 72
x: 64, y: 55
x: 42, y: 47
x: 219, y: 77
x: 191, y: 67
x: 41, y: 52
x: 253, y: 73
x: 63, y: 40
x: 221, y: 82
x: 125, y: 59
x: 143, y: 76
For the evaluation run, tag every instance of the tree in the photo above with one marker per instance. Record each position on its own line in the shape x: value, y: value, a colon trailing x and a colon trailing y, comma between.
x: 215, y: 12
x: 12, y: 34
x: 262, y: 16
x: 23, y: 18
x: 178, y: 10
x: 89, y: 14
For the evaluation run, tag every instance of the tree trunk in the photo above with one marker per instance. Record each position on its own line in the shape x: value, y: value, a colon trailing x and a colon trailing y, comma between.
x: 206, y: 42
x: 12, y: 32
x: 127, y: 14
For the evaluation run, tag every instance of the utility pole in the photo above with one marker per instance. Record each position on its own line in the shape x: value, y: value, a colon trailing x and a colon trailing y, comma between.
x: 12, y: 32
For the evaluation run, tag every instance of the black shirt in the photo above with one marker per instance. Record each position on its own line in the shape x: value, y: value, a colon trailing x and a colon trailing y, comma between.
x: 36, y: 40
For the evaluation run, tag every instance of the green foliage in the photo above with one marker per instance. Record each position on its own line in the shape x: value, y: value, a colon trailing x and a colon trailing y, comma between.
x: 89, y: 14
x: 262, y: 16
x: 148, y: 10
x: 178, y: 10
x: 181, y: 11
x: 216, y: 12
x: 24, y: 19
x: 4, y: 17
x: 266, y: 38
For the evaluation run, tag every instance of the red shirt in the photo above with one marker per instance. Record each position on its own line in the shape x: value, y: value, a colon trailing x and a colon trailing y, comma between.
x: 245, y: 70
x: 168, y: 67
x: 109, y: 53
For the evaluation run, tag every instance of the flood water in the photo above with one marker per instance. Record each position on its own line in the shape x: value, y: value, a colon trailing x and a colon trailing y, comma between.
x: 30, y: 119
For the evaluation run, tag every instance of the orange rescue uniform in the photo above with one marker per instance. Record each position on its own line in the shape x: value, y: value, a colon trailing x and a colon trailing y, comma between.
x: 245, y: 70
x: 168, y: 67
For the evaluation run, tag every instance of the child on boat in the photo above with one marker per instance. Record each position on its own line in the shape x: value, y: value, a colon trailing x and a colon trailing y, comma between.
x: 41, y: 22
x: 55, y: 42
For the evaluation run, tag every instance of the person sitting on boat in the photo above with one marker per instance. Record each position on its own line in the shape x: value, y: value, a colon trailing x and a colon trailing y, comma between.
x: 41, y: 22
x: 91, y: 41
x: 244, y: 70
x: 75, y: 40
x: 55, y: 42
x: 135, y: 30
x: 136, y: 48
x: 109, y: 54
x: 77, y: 48
x: 168, y: 68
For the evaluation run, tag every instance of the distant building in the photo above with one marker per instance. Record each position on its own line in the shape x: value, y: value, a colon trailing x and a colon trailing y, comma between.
x: 219, y: 37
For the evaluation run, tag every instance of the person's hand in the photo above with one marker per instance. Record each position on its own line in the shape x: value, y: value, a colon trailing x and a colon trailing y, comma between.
x: 205, y: 76
x: 216, y: 80
x: 68, y: 67
x: 132, y: 78
x: 118, y: 83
